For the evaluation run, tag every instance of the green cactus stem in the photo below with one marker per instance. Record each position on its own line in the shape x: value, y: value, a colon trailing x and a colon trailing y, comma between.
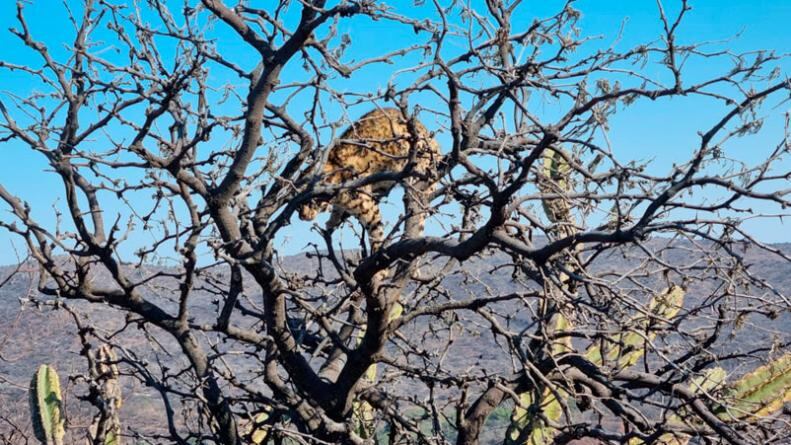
x: 628, y: 348
x: 527, y: 428
x: 757, y: 394
x: 46, y: 406
x: 260, y: 434
x: 760, y: 393
x: 711, y: 379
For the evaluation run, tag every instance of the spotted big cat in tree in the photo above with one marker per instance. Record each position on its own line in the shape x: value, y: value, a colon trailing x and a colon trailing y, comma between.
x: 380, y: 141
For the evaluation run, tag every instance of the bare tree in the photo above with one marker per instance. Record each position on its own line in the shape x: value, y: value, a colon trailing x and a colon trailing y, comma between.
x: 604, y: 293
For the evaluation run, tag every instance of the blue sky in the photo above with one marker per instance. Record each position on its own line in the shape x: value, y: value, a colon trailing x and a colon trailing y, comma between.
x: 663, y: 132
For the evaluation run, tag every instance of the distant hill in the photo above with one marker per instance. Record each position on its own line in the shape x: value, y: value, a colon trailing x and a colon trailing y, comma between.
x: 30, y: 336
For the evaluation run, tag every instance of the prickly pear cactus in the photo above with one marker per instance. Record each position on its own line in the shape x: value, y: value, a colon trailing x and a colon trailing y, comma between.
x: 46, y: 406
x: 526, y: 428
x: 628, y: 348
x: 711, y: 380
x: 259, y: 435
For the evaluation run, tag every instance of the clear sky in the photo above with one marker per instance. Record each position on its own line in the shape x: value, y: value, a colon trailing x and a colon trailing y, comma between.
x: 668, y: 135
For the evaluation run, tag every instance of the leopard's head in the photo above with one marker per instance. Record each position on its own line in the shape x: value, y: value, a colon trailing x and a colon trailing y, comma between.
x: 309, y: 210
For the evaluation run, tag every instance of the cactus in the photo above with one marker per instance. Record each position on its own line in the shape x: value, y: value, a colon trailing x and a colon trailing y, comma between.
x: 555, y: 178
x: 759, y: 393
x: 628, y: 349
x: 530, y: 429
x: 259, y: 435
x: 105, y: 374
x: 710, y: 380
x: 526, y: 428
x: 46, y: 406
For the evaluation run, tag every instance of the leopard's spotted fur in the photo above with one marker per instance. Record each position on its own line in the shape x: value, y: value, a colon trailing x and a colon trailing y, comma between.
x: 380, y: 141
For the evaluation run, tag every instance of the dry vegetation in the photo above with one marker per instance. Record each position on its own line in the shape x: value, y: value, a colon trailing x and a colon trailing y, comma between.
x: 558, y: 293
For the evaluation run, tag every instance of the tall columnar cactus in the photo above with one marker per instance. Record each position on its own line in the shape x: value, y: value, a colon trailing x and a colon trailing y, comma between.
x: 759, y: 393
x: 525, y: 426
x: 46, y: 403
x: 105, y: 375
x: 554, y: 179
x: 46, y: 406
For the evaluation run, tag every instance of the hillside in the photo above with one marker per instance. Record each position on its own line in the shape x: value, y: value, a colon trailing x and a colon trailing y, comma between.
x: 31, y: 335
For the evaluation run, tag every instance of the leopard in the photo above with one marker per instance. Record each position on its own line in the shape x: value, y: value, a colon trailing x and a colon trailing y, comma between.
x: 379, y: 142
